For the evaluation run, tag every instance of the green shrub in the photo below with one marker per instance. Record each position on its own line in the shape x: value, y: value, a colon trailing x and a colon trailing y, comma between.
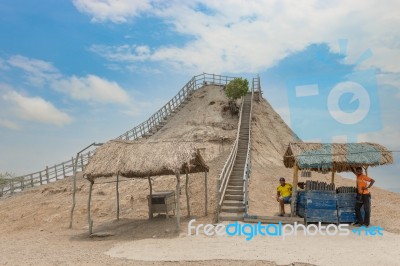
x: 5, y: 177
x: 237, y: 88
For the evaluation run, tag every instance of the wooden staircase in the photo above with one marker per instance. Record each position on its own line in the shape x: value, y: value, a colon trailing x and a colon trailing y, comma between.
x: 233, y: 205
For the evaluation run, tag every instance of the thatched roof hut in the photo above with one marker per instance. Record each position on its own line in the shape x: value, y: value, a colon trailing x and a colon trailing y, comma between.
x: 333, y: 157
x: 142, y: 159
x: 336, y: 157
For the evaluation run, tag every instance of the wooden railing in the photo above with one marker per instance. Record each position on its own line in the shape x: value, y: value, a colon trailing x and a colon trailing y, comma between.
x: 49, y: 174
x: 223, y: 178
x: 65, y: 169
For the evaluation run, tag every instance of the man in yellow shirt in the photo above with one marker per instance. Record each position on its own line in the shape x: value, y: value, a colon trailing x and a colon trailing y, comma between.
x: 283, y: 195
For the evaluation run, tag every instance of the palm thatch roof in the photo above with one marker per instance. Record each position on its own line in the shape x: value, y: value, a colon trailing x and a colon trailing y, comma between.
x: 335, y: 156
x: 143, y: 159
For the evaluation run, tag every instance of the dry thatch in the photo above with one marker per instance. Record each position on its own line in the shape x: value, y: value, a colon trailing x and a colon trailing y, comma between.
x: 143, y: 159
x: 336, y: 156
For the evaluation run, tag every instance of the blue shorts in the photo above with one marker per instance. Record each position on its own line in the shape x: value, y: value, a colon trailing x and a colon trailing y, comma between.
x: 287, y: 200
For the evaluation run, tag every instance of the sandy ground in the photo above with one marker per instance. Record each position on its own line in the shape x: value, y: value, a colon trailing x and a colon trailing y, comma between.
x: 34, y: 223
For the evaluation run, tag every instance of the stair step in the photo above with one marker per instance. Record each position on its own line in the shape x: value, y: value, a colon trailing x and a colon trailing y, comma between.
x: 234, y: 192
x: 232, y: 209
x: 233, y: 197
x: 236, y: 184
x: 235, y: 187
x: 233, y: 203
x: 235, y: 181
x: 226, y: 216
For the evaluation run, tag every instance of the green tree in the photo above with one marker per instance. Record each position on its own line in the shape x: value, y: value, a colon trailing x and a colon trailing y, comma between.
x: 237, y: 88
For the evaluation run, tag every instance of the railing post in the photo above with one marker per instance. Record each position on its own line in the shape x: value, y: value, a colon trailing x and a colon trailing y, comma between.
x: 47, y: 174
x: 63, y: 167
x: 73, y: 164
x: 41, y: 179
x: 55, y: 170
x: 31, y: 180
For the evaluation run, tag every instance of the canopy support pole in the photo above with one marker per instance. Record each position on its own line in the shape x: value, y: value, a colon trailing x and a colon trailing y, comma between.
x: 117, y: 189
x: 333, y: 175
x: 206, y: 194
x: 187, y: 193
x: 90, y: 221
x: 294, y: 192
x: 150, y: 198
x: 366, y: 170
x: 74, y: 170
x: 178, y: 202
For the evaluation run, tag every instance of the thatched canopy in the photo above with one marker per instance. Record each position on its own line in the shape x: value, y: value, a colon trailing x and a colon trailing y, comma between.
x: 143, y: 159
x: 335, y: 156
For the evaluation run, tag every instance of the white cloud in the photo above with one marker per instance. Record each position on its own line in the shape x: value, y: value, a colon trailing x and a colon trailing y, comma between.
x: 92, y: 88
x: 9, y: 124
x: 36, y: 109
x: 38, y: 71
x: 249, y: 36
x: 124, y: 53
x: 387, y: 137
x: 117, y: 11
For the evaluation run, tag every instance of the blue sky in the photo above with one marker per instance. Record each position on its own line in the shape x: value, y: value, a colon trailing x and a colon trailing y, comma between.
x: 78, y: 71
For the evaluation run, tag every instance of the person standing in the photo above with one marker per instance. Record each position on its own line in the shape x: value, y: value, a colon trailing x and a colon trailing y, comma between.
x: 364, y: 182
x: 283, y: 195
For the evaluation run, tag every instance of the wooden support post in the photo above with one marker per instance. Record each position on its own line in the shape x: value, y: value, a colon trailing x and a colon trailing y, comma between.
x: 55, y: 170
x: 81, y: 162
x: 366, y: 170
x: 31, y: 180
x: 74, y: 167
x: 90, y: 221
x: 333, y: 176
x: 178, y: 202
x: 47, y: 174
x: 117, y: 189
x: 206, y: 194
x: 294, y: 192
x: 150, y: 199
x: 187, y: 194
x: 41, y: 179
x: 63, y: 165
